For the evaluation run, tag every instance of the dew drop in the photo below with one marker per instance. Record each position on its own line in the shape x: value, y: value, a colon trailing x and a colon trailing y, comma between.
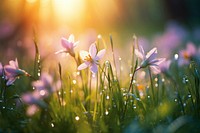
x: 77, y: 118
x: 189, y: 95
x: 175, y: 100
x: 71, y: 91
x: 156, y: 79
x: 156, y: 85
x: 107, y: 97
x: 52, y: 125
x: 163, y: 80
x: 184, y: 104
x: 3, y: 107
x: 148, y: 96
x: 74, y: 81
x: 176, y: 56
x: 106, y: 113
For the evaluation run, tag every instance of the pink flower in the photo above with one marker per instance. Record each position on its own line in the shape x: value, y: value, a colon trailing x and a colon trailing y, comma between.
x: 12, y: 72
x: 1, y: 69
x: 91, y: 58
x: 45, y: 85
x: 187, y: 54
x: 149, y: 59
x: 69, y: 45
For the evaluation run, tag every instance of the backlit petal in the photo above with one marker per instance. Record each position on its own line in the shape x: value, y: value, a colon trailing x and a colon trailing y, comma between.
x: 83, y: 66
x: 100, y: 54
x: 93, y: 50
x: 93, y: 68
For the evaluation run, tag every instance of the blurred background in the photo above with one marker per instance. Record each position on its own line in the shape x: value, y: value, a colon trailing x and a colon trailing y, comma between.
x: 86, y: 19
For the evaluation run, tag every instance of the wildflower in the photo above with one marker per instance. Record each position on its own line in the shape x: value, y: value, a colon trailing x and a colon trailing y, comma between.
x: 1, y: 69
x: 91, y: 58
x: 188, y: 54
x: 69, y: 45
x: 45, y: 85
x: 12, y: 72
x: 149, y: 59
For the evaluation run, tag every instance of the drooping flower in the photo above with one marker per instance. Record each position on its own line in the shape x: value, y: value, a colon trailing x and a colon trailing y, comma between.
x: 91, y: 58
x: 69, y: 45
x: 12, y: 72
x: 186, y: 55
x: 150, y: 59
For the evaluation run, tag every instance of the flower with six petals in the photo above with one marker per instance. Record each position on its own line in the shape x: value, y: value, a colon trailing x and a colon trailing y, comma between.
x: 91, y: 58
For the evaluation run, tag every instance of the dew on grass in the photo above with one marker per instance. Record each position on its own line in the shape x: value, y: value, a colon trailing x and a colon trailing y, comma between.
x: 52, y: 125
x: 71, y: 91
x: 39, y: 74
x: 184, y: 104
x: 156, y: 85
x: 176, y: 56
x: 131, y: 100
x: 163, y: 80
x: 3, y: 107
x: 130, y: 75
x: 175, y: 100
x: 107, y: 63
x: 185, y: 80
x: 74, y: 81
x: 107, y: 97
x: 148, y: 96
x: 156, y: 79
x: 134, y: 107
x: 189, y: 95
x: 59, y: 93
x: 77, y: 118
x: 106, y: 113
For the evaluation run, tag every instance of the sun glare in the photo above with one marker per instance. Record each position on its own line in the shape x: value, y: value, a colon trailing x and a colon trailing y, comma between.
x: 67, y: 10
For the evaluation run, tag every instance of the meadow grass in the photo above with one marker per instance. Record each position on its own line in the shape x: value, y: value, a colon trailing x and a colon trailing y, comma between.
x: 105, y: 101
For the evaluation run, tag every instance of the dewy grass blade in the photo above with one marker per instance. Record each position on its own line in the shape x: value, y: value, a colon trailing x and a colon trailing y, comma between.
x: 37, y: 65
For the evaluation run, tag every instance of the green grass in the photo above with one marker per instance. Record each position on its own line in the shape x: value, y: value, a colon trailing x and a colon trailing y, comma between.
x: 170, y: 102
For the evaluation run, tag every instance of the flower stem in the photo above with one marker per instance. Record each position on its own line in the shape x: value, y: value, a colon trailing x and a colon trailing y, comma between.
x: 152, y: 88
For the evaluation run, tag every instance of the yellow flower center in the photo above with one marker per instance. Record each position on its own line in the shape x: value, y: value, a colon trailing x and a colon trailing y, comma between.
x: 88, y: 58
x: 186, y: 55
x: 140, y: 87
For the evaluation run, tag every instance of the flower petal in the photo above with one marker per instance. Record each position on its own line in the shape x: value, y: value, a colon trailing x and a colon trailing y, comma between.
x: 83, y: 54
x: 71, y: 38
x: 93, y: 50
x: 139, y: 54
x: 155, y: 69
x: 93, y: 68
x: 152, y: 54
x: 100, y: 54
x: 83, y: 66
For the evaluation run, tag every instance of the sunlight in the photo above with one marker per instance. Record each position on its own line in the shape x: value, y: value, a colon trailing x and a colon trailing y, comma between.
x: 67, y: 10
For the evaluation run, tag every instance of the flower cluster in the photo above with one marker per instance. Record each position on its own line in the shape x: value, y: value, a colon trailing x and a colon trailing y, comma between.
x: 91, y: 58
x: 43, y: 88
